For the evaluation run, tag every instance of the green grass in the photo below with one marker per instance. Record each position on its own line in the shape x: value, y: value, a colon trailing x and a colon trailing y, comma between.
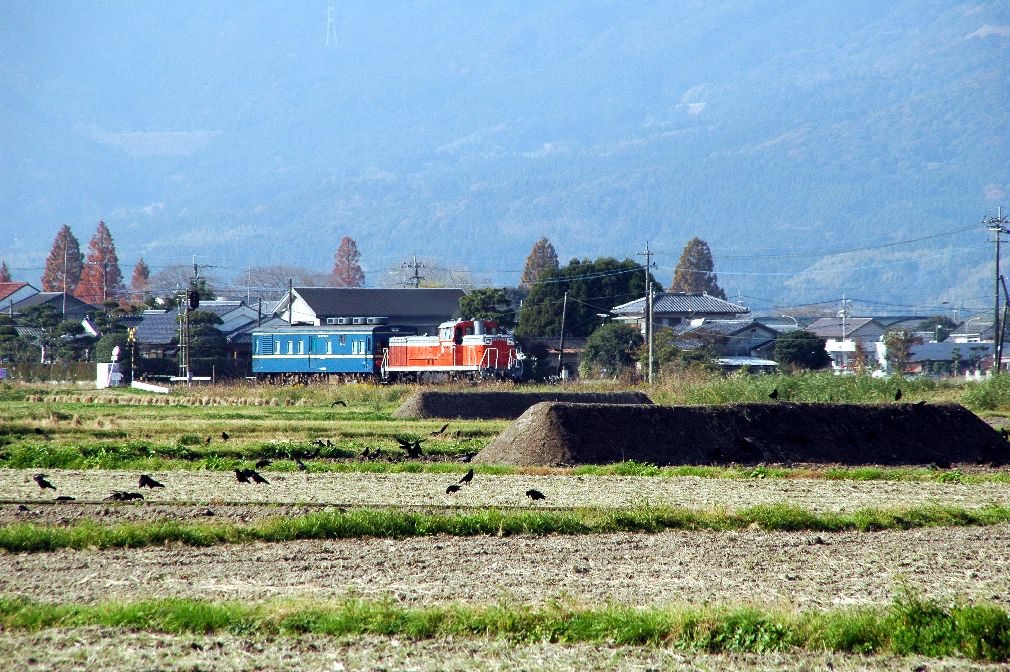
x: 909, y: 626
x: 393, y: 523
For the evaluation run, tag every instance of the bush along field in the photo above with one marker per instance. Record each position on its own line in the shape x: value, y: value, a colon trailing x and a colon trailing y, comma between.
x: 371, y: 528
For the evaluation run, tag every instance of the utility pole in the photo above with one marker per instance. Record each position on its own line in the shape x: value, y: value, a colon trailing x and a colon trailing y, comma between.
x: 648, y: 303
x: 64, y: 278
x: 561, y: 346
x: 416, y: 267
x: 998, y: 225
x: 291, y: 301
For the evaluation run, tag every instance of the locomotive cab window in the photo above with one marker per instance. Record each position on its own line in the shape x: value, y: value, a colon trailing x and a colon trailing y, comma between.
x: 458, y: 339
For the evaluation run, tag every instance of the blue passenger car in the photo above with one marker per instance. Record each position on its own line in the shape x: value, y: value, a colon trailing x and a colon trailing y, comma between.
x: 301, y: 353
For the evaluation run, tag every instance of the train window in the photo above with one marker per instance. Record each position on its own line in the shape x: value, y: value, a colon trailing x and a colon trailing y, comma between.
x: 329, y: 346
x: 291, y: 346
x: 301, y: 347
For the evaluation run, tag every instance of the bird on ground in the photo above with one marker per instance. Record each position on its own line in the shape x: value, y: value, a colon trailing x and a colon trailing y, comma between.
x: 897, y: 395
x: 467, y: 477
x: 338, y: 402
x: 264, y: 462
x: 535, y: 494
x: 774, y: 394
x: 921, y: 402
x: 40, y: 479
x: 242, y: 475
x: 123, y: 496
x: 207, y: 441
x: 256, y: 477
x: 441, y: 431
x: 329, y: 444
x: 413, y: 449
x: 376, y: 453
x: 466, y: 457
x: 148, y: 482
x: 38, y: 430
x: 366, y: 453
x: 301, y: 465
x: 64, y: 498
x: 22, y: 508
x: 224, y: 436
x: 451, y: 489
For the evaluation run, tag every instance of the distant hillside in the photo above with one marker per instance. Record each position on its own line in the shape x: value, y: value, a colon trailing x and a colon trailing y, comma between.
x: 780, y: 132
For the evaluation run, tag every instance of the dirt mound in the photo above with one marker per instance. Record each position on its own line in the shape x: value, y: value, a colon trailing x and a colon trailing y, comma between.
x: 563, y: 434
x: 501, y: 405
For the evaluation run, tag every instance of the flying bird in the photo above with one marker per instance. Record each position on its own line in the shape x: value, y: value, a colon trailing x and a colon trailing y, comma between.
x: 467, y: 477
x: 148, y: 482
x: 441, y: 431
x: 774, y: 394
x: 338, y: 402
x: 897, y: 395
x: 40, y: 479
x: 535, y: 494
x: 451, y: 489
x: 413, y: 449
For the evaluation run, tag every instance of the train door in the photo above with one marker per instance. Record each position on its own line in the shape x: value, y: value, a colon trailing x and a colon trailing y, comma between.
x: 457, y: 346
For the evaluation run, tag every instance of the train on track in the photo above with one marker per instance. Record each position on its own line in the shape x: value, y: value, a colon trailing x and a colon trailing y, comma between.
x: 373, y: 350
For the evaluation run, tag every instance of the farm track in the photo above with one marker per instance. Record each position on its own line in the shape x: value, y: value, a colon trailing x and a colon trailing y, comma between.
x: 190, y: 492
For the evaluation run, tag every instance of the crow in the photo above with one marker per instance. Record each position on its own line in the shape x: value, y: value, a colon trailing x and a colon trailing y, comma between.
x: 123, y: 496
x: 774, y: 394
x: 467, y: 477
x: 329, y: 444
x: 64, y: 498
x: 242, y: 475
x: 301, y: 465
x: 451, y: 489
x: 441, y: 431
x: 22, y: 508
x: 535, y: 494
x: 466, y: 457
x: 207, y: 441
x: 338, y: 402
x: 255, y: 476
x: 413, y: 449
x: 148, y: 482
x: 376, y: 453
x: 41, y: 432
x: 264, y: 462
x: 224, y: 436
x: 40, y: 479
x: 897, y: 395
x: 366, y: 453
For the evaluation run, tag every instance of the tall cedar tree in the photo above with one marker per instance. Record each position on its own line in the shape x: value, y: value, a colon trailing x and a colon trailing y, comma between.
x: 593, y: 287
x: 140, y: 280
x: 5, y: 275
x: 66, y: 248
x: 542, y: 258
x: 346, y: 269
x: 694, y: 271
x: 101, y: 280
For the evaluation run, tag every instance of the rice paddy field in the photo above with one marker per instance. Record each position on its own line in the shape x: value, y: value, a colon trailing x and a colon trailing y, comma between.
x: 347, y: 559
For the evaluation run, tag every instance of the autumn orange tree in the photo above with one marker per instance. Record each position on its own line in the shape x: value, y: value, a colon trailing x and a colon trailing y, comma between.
x: 346, y: 268
x: 64, y: 256
x: 140, y: 280
x: 542, y: 258
x: 101, y: 279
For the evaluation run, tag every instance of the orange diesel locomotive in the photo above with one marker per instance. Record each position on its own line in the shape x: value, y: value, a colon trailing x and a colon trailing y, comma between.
x: 462, y: 349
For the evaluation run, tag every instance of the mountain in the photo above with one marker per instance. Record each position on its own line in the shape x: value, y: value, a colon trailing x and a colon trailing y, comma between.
x: 806, y: 142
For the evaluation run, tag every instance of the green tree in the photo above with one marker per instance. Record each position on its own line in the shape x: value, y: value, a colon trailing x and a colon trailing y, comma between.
x: 695, y: 271
x: 939, y: 325
x: 5, y: 274
x: 898, y: 344
x: 489, y: 304
x: 541, y: 258
x: 13, y: 348
x: 610, y: 350
x: 593, y: 287
x: 44, y: 319
x: 801, y: 349
x: 207, y: 345
x: 107, y: 344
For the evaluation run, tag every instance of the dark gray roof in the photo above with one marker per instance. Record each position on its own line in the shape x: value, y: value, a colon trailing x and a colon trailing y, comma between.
x: 831, y: 327
x: 159, y: 327
x: 681, y: 303
x: 243, y: 335
x: 942, y: 352
x: 392, y: 303
x: 74, y: 305
x: 725, y: 327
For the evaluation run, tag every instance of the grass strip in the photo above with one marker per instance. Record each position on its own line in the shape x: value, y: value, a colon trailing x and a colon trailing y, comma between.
x: 391, y: 523
x: 909, y: 626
